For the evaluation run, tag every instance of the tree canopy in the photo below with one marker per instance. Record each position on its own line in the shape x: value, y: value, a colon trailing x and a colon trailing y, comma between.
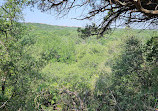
x: 48, y: 68
x: 130, y: 11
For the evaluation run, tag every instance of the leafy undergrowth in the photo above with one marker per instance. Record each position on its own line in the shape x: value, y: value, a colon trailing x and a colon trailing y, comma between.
x: 81, y: 68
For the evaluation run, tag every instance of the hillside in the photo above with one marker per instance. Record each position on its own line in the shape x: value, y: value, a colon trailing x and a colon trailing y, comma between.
x: 74, y: 64
x: 58, y: 68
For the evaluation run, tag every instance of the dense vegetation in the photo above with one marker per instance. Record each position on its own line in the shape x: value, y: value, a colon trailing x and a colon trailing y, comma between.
x: 46, y: 68
x: 107, y: 12
x: 59, y: 70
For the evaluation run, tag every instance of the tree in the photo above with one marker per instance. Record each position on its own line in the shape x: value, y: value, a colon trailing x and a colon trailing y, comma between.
x: 151, y: 70
x: 17, y: 68
x: 130, y: 11
x: 88, y: 31
x: 135, y: 71
x: 131, y: 58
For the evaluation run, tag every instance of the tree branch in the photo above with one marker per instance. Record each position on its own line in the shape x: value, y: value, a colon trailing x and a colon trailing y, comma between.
x: 145, y: 11
x: 3, y: 104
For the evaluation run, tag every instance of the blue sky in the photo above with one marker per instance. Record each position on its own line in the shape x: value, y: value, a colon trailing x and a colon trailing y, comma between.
x: 36, y: 16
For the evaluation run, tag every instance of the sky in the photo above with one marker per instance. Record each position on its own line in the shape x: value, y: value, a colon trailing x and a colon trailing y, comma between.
x: 36, y: 16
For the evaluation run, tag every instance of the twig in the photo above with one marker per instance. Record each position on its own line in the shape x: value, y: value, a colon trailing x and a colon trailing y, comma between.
x: 3, y: 104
